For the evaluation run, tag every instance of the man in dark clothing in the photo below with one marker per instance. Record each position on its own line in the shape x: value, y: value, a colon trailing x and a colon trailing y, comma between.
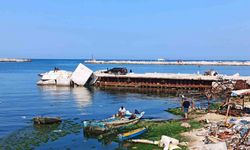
x: 186, y: 105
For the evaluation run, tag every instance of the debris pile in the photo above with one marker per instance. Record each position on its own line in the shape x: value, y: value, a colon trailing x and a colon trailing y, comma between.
x: 232, y: 134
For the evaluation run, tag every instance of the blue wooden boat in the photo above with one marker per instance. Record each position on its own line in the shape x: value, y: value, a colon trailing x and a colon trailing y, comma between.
x: 114, y: 122
x: 131, y: 134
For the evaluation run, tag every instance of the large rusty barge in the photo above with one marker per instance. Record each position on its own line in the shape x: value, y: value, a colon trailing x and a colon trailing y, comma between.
x: 172, y: 81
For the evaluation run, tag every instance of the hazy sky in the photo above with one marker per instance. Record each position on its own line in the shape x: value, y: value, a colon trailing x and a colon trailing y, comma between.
x: 125, y: 29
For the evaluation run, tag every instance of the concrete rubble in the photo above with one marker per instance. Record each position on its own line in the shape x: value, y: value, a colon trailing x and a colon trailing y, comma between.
x: 58, y: 77
x: 186, y: 125
x: 81, y: 75
x: 166, y: 142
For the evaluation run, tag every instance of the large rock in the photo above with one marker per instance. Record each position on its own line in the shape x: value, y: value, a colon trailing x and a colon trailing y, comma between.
x: 81, y: 75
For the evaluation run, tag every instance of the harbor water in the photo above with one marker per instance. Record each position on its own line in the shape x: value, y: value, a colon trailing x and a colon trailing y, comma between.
x: 21, y: 99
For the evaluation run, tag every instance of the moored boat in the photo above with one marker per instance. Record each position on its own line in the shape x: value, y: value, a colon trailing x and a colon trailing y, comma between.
x: 114, y: 122
x: 131, y: 134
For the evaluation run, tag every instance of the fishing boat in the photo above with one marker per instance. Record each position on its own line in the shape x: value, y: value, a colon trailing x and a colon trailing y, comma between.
x: 114, y: 122
x: 131, y: 134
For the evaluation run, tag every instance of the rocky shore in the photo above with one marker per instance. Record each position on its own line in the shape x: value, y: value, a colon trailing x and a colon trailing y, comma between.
x: 14, y: 60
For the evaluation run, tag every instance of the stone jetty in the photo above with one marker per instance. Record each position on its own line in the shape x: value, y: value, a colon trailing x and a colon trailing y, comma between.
x: 198, y: 63
x: 14, y: 60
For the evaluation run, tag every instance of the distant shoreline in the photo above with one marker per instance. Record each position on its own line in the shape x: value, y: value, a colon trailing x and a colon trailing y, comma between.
x: 198, y: 63
x: 14, y: 60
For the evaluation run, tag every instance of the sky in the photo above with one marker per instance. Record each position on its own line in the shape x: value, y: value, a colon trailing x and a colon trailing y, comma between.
x: 125, y: 29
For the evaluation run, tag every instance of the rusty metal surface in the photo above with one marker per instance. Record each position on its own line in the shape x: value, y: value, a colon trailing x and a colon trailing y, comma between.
x: 241, y: 84
x: 173, y: 84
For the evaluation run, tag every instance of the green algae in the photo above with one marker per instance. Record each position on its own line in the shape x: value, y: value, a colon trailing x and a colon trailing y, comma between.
x: 33, y: 136
x: 175, y: 111
x: 215, y: 106
x: 157, y: 129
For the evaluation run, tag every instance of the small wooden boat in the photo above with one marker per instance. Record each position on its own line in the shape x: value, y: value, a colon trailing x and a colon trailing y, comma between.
x: 47, y: 120
x: 114, y: 122
x: 131, y: 134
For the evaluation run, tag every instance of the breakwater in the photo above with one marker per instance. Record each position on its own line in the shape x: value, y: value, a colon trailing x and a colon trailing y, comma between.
x: 14, y: 60
x: 198, y: 63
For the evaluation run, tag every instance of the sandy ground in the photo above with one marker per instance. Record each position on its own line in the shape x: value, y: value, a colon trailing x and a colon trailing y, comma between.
x: 196, y: 138
x: 211, y: 117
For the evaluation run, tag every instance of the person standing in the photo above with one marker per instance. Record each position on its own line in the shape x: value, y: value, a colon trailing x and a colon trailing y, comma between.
x: 185, y: 106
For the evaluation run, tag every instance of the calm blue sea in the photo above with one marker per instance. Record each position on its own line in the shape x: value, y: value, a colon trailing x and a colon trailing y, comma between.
x: 21, y: 99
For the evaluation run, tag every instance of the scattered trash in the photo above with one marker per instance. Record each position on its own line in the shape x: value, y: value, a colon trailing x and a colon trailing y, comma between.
x: 226, y: 135
x: 186, y: 125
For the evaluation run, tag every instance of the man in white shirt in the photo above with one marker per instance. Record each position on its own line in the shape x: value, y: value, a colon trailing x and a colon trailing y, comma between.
x: 122, y: 111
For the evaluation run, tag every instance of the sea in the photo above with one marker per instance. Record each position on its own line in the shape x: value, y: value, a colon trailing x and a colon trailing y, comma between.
x: 21, y: 99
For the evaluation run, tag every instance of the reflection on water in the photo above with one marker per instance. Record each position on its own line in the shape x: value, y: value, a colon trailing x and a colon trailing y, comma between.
x: 58, y: 93
x: 81, y: 95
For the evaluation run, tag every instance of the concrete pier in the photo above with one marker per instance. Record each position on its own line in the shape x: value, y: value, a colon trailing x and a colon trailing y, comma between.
x: 198, y: 63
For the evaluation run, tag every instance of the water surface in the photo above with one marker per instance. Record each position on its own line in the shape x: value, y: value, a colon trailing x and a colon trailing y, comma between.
x: 21, y: 99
